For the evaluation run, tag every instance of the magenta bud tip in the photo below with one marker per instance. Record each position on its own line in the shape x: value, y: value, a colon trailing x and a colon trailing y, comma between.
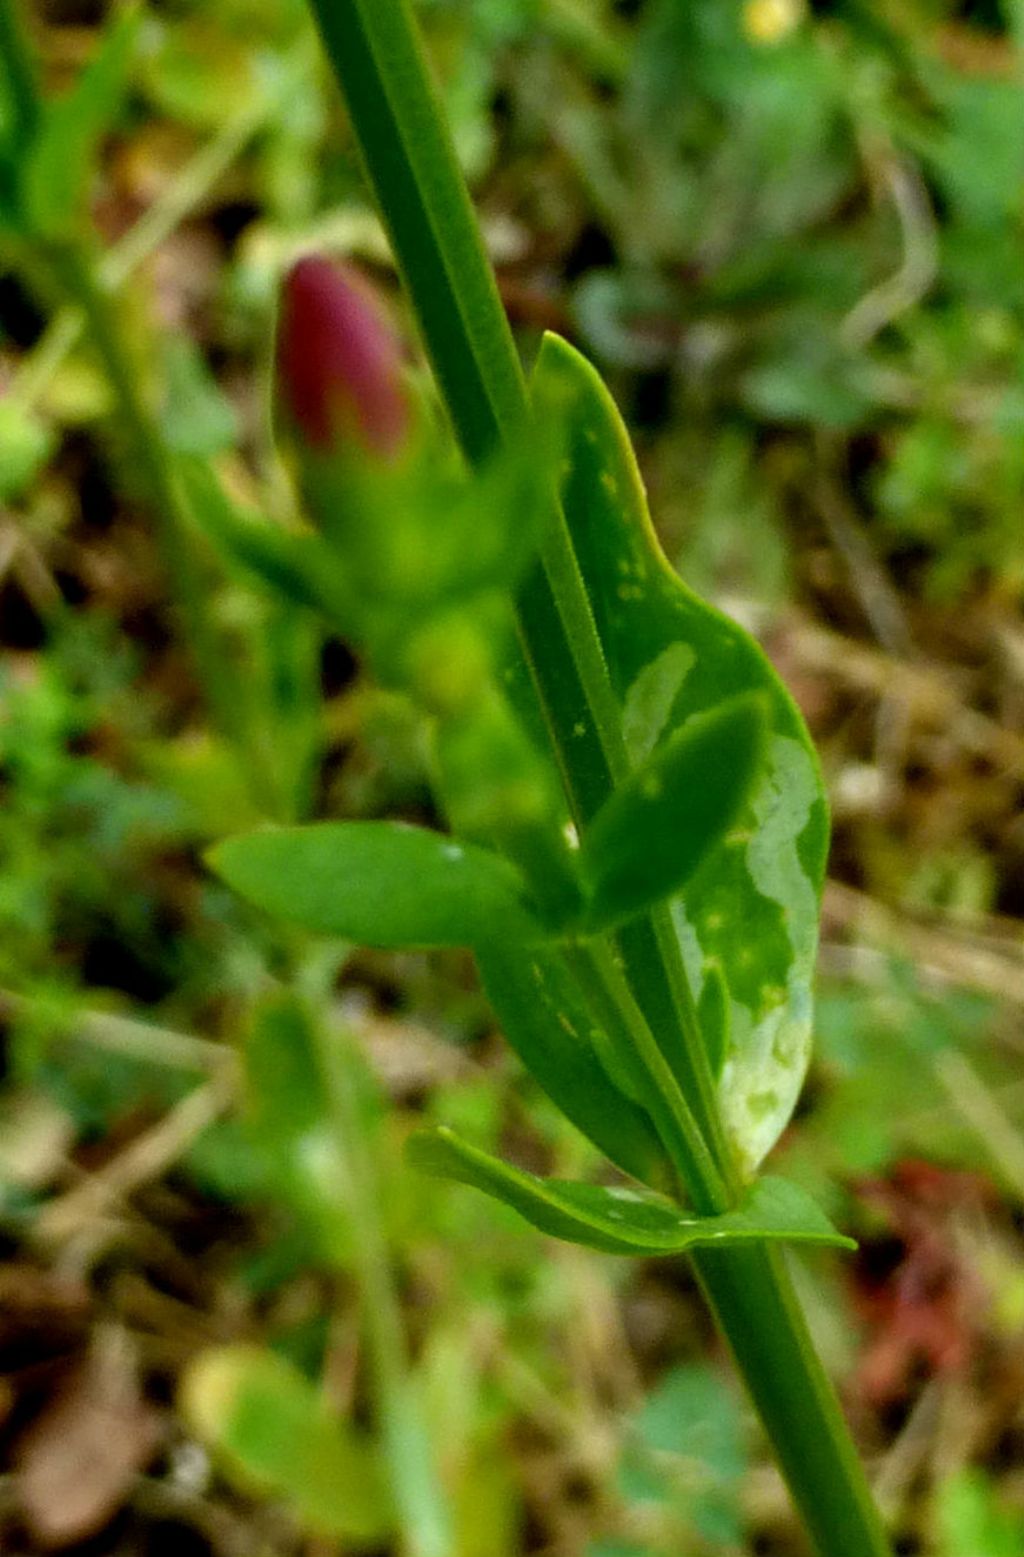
x: 339, y: 360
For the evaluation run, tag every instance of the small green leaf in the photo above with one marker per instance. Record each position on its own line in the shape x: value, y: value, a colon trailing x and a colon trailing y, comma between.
x: 550, y: 1026
x: 621, y: 1220
x: 652, y: 834
x: 383, y: 884
x: 277, y: 1436
x: 60, y: 164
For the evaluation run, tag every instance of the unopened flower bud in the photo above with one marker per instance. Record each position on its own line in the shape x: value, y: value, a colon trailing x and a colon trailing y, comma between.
x: 340, y: 362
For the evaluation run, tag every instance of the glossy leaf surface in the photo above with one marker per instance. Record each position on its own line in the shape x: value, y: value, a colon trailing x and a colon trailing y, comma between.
x: 656, y: 830
x: 383, y: 884
x: 621, y: 1220
x: 751, y: 909
x: 274, y: 1430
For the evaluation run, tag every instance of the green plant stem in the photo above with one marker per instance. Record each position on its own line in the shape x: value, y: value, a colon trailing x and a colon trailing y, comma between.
x: 181, y: 195
x: 77, y: 275
x: 750, y: 1292
x: 419, y: 1500
x: 408, y: 154
x: 19, y: 67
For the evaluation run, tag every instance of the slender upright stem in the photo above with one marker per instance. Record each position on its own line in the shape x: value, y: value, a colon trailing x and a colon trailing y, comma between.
x: 78, y: 276
x: 751, y: 1294
x: 77, y: 270
x: 409, y: 157
x: 419, y: 1500
x: 407, y: 149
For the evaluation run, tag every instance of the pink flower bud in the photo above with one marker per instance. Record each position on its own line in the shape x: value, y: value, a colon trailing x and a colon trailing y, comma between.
x: 339, y: 360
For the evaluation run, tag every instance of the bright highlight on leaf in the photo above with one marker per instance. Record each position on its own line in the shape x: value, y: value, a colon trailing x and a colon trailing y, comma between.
x: 620, y: 1220
x: 383, y: 884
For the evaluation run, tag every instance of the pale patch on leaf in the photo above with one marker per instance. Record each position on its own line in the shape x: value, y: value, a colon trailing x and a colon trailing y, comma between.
x: 649, y: 702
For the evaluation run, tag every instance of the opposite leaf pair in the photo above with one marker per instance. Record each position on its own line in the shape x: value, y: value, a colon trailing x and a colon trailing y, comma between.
x: 391, y: 885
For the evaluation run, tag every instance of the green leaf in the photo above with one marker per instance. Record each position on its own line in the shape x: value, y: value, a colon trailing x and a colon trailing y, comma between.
x: 751, y: 908
x: 621, y: 1220
x: 549, y: 1025
x: 383, y: 884
x: 656, y: 830
x: 60, y: 164
x: 277, y: 1436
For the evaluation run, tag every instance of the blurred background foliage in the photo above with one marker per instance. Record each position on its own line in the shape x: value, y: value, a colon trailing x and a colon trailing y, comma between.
x: 792, y: 236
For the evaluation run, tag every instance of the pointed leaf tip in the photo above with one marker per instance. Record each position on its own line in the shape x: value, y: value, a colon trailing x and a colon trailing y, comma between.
x: 624, y: 1219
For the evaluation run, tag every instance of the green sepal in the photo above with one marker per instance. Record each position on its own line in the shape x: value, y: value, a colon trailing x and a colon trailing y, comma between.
x: 622, y: 1220
x: 421, y: 536
x: 383, y: 884
x: 656, y: 830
